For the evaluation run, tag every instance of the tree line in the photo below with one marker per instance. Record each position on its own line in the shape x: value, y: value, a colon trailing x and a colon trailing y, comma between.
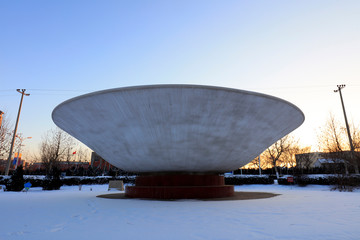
x: 57, y: 146
x: 332, y: 138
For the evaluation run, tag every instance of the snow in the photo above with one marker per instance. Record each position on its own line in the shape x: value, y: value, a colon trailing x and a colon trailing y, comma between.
x: 312, y: 212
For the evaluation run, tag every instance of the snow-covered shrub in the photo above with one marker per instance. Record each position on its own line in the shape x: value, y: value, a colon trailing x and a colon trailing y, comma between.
x: 283, y: 181
x: 52, y: 181
x: 55, y: 182
x: 16, y: 182
x: 346, y: 183
x: 35, y: 182
x: 246, y: 179
x: 70, y: 181
x: 339, y: 182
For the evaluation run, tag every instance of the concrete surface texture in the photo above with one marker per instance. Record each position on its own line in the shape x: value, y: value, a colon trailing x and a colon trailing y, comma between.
x: 177, y: 128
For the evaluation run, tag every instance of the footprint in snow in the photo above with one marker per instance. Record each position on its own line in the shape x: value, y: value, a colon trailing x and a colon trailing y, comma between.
x: 92, y: 205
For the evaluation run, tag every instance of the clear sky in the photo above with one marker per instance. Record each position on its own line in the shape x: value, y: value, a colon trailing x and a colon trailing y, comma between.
x: 295, y: 50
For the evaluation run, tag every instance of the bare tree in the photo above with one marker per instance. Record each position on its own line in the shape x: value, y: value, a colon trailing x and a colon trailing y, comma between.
x: 276, y: 153
x: 5, y: 137
x: 54, y: 148
x: 355, y: 135
x: 255, y: 163
x: 295, y: 149
x: 69, y: 152
x: 333, y: 139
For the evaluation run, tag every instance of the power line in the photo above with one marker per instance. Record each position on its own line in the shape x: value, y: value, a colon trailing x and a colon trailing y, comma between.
x: 45, y: 89
x: 50, y: 91
x: 303, y: 86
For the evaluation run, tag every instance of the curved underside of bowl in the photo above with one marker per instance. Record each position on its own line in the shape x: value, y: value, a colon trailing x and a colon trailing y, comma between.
x: 177, y: 128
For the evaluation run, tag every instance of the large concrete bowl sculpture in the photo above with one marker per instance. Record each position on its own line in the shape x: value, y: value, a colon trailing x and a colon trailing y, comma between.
x: 177, y: 132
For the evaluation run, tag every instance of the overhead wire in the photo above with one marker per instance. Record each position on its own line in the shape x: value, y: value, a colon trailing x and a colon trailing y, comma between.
x: 69, y: 91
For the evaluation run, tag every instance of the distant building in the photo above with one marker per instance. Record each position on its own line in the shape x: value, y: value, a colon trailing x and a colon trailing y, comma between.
x: 63, y: 166
x: 69, y: 165
x: 98, y: 163
x: 13, y: 164
x: 324, y: 160
x: 35, y: 166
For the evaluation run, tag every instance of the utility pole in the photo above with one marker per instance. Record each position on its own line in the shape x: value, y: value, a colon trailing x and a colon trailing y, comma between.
x: 347, y: 128
x: 22, y: 91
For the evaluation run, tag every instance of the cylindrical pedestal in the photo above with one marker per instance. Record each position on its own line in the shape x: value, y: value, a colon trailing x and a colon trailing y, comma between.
x: 179, y: 186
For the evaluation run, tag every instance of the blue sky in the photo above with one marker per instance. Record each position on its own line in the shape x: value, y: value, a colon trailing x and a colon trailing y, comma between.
x: 295, y: 50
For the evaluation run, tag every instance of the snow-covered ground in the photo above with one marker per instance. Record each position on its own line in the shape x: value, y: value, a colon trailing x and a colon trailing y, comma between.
x: 312, y: 212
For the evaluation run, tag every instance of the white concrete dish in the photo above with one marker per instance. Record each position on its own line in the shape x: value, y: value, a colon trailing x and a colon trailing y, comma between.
x: 177, y: 128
